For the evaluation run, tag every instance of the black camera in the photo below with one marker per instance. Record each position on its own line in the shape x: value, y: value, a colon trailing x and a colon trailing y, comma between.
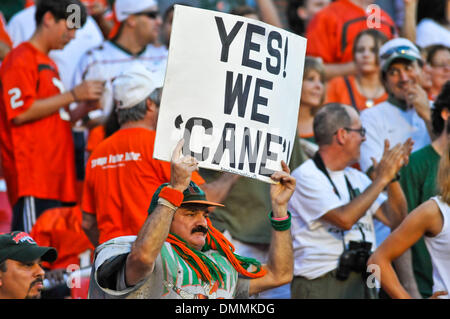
x: 354, y: 259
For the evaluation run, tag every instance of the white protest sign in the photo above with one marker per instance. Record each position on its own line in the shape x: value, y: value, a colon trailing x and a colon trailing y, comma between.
x: 232, y: 91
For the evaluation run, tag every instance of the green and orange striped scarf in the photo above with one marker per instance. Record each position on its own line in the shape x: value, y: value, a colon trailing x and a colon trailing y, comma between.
x: 204, y: 267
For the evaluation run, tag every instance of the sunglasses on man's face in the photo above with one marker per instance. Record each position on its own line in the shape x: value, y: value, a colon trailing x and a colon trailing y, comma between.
x: 150, y: 14
x: 401, y: 49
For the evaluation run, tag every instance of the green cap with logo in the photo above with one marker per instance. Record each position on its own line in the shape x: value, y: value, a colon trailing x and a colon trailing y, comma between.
x: 193, y: 194
x: 21, y: 247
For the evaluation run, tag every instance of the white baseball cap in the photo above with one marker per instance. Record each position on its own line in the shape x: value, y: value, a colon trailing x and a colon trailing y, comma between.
x: 398, y: 48
x: 125, y: 8
x: 134, y: 85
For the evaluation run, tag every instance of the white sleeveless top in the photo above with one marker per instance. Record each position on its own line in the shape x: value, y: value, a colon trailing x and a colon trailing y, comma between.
x: 439, y: 249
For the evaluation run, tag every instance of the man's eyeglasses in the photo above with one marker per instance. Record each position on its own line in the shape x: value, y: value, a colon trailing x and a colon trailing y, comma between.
x: 403, y: 49
x: 150, y: 14
x: 361, y: 131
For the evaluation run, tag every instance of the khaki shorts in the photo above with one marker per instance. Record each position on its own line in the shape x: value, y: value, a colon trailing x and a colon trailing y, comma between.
x: 329, y: 287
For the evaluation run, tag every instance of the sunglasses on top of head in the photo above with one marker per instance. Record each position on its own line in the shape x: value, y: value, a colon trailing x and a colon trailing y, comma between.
x: 150, y: 14
x: 400, y: 49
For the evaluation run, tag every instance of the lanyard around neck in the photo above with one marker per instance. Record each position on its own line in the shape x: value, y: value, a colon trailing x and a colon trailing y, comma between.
x: 317, y: 159
x: 321, y: 166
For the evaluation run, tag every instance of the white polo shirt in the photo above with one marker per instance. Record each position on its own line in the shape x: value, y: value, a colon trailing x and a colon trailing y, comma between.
x: 387, y: 121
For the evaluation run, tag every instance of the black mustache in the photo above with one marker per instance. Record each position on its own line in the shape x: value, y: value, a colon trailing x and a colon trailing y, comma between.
x: 199, y: 229
x: 37, y: 281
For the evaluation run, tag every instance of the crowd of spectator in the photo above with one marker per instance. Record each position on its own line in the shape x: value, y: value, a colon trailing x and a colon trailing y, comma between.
x: 370, y: 159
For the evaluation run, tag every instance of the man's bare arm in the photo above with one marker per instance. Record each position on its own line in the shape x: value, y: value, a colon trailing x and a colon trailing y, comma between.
x: 347, y: 215
x: 410, y: 20
x: 339, y: 69
x: 88, y: 90
x: 141, y: 260
x: 4, y: 49
x: 269, y: 13
x: 280, y: 264
x: 90, y: 227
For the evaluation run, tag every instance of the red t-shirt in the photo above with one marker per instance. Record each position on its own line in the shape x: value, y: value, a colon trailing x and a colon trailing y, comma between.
x: 61, y: 228
x: 332, y: 31
x: 38, y: 156
x: 121, y: 177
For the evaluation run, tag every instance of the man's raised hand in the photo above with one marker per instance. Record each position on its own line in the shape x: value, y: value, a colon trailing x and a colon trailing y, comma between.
x: 281, y: 192
x: 181, y: 168
x: 393, y: 159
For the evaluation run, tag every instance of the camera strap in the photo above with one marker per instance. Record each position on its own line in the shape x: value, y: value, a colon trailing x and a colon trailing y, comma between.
x: 321, y: 166
x: 317, y: 159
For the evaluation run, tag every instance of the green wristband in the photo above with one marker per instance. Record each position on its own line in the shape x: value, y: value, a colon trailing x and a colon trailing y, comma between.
x: 280, y: 225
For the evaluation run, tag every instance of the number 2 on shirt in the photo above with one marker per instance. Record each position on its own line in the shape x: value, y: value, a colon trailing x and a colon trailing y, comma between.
x: 15, y: 101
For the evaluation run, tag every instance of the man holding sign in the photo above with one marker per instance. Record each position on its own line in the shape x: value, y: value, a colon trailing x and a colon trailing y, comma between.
x: 243, y: 219
x: 179, y: 254
x: 234, y: 73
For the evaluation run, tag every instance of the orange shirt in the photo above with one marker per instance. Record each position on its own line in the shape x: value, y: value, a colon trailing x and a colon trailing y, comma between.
x: 61, y: 228
x: 38, y: 156
x: 331, y: 32
x: 337, y: 91
x: 121, y: 177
